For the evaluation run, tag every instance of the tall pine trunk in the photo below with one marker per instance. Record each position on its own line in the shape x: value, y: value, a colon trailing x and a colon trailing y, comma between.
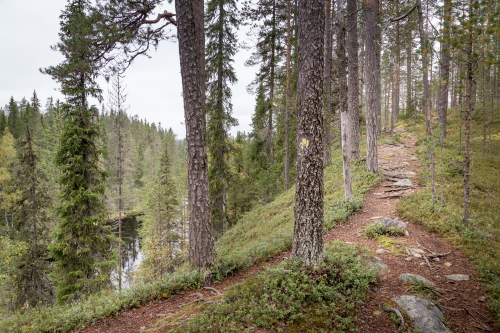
x: 425, y: 72
x: 328, y: 114
x: 287, y: 92
x: 191, y: 37
x: 342, y: 81
x: 308, y: 228
x: 444, y: 70
x: 371, y: 90
x: 353, y: 134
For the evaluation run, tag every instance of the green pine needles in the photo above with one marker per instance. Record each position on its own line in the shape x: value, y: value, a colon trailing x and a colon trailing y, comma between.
x: 82, y: 244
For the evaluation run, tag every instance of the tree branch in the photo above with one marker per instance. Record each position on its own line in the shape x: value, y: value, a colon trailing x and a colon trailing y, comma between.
x: 402, y: 17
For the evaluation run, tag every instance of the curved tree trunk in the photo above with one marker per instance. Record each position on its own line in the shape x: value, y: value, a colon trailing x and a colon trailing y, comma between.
x: 308, y: 227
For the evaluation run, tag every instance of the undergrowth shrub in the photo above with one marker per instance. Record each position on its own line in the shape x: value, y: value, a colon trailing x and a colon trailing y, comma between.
x: 294, y: 297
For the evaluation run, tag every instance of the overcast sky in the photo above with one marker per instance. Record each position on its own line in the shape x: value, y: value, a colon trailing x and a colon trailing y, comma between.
x: 27, y: 30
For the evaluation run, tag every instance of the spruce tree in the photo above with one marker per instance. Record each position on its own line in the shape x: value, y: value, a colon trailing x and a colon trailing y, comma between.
x: 82, y: 240
x: 32, y: 282
x: 13, y: 121
x: 221, y: 20
x: 160, y: 230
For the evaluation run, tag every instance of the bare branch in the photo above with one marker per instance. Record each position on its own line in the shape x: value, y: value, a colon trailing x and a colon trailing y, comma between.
x: 402, y: 17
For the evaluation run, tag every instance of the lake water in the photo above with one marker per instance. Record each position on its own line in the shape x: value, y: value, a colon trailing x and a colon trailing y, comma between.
x: 131, y: 250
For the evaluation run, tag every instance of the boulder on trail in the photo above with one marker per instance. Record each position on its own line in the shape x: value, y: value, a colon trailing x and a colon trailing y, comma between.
x: 426, y: 317
x: 388, y: 223
x: 413, y: 278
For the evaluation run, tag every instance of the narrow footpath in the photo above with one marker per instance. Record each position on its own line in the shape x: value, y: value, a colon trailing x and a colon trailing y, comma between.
x: 421, y: 253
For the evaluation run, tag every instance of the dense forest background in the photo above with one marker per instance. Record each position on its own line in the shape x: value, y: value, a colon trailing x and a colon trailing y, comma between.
x: 405, y: 60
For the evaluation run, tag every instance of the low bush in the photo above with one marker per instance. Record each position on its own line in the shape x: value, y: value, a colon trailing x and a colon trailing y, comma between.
x: 294, y: 298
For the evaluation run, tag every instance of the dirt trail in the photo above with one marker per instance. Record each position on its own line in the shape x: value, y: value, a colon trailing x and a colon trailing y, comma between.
x: 463, y: 301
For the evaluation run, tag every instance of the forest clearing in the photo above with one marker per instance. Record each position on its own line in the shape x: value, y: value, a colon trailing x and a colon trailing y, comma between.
x: 364, y: 198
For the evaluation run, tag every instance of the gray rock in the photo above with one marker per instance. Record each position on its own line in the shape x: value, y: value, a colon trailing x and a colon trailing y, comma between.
x: 425, y: 316
x: 403, y: 183
x: 458, y: 277
x: 388, y: 222
x: 382, y: 269
x: 411, y: 278
x: 380, y: 251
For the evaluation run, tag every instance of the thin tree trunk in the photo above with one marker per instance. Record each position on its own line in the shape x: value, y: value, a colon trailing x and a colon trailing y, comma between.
x: 342, y: 82
x: 425, y: 72
x: 395, y: 95
x: 371, y: 90
x: 353, y: 135
x: 378, y: 50
x: 191, y: 38
x: 327, y: 110
x: 444, y: 70
x: 271, y: 92
x: 287, y: 93
x: 308, y: 228
x: 409, y: 106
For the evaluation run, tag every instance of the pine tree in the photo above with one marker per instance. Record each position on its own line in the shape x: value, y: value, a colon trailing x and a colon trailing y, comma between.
x: 190, y: 33
x: 82, y: 240
x: 308, y: 227
x: 221, y: 19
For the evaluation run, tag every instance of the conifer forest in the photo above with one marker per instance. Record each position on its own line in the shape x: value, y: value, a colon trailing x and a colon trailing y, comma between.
x: 334, y: 81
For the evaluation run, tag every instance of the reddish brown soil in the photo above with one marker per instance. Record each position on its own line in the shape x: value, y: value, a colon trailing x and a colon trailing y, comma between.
x: 462, y: 301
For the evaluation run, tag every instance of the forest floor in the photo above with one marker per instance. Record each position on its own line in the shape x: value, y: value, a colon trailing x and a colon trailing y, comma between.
x: 463, y: 302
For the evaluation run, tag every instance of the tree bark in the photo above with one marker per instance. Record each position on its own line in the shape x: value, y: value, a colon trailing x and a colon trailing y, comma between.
x: 444, y: 70
x: 327, y: 111
x: 342, y: 81
x: 191, y: 38
x: 308, y: 228
x: 353, y: 135
x: 425, y: 72
x: 371, y: 90
x: 287, y: 93
x: 395, y: 92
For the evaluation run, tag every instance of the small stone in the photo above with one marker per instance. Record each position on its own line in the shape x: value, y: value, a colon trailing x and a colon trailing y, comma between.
x: 436, y: 259
x: 413, y: 158
x: 482, y: 299
x: 418, y: 255
x: 447, y: 264
x: 376, y: 217
x: 408, y: 259
x: 458, y: 277
x: 403, y: 183
x: 412, y: 278
x: 380, y: 251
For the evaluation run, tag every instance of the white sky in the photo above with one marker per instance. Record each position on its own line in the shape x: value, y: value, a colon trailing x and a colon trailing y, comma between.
x: 27, y: 30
